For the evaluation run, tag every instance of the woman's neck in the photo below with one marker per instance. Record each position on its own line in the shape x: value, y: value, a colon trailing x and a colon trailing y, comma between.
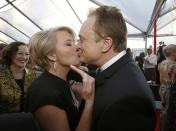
x: 60, y: 72
x: 17, y: 72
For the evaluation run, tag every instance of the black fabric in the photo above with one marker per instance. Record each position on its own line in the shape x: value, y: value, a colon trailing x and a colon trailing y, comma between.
x: 123, y: 100
x: 72, y: 75
x: 51, y: 90
x: 150, y: 74
x: 20, y: 82
x: 155, y: 91
x: 18, y: 122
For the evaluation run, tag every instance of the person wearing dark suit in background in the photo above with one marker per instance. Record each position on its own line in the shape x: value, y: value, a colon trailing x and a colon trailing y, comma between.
x: 140, y: 61
x: 123, y: 100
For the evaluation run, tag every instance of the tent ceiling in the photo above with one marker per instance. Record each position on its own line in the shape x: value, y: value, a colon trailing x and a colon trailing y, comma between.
x: 20, y: 19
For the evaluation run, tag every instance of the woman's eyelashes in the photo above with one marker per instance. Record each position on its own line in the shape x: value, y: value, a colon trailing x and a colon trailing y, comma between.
x: 70, y: 42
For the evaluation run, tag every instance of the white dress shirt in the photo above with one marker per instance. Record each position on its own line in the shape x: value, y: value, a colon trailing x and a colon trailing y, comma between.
x: 112, y: 60
x: 150, y: 61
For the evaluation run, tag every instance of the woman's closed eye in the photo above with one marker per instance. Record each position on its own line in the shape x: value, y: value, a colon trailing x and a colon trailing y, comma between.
x: 70, y: 42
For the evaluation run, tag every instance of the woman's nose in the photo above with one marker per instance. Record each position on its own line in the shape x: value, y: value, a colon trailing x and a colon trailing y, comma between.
x: 77, y: 47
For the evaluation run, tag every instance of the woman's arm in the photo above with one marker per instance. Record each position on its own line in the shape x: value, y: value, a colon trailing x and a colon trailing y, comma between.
x: 52, y: 118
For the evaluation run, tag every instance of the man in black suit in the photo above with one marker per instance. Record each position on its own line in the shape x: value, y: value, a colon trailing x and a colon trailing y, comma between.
x: 123, y: 100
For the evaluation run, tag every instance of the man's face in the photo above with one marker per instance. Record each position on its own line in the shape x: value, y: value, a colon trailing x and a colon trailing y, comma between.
x: 149, y: 51
x: 89, y: 50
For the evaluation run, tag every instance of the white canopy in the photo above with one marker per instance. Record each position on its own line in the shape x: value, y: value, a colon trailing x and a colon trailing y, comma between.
x: 20, y: 19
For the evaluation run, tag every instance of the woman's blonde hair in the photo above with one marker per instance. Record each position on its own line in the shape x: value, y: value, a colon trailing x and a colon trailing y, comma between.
x: 42, y: 43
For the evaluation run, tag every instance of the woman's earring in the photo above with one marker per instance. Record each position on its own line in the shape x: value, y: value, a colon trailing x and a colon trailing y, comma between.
x: 55, y: 65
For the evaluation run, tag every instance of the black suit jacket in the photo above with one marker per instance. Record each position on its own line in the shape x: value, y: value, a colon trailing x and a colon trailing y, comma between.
x: 123, y: 100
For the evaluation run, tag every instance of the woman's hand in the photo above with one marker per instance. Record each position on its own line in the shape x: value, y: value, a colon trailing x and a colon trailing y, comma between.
x: 87, y: 90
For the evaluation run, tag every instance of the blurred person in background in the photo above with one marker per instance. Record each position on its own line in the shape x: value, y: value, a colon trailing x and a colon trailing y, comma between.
x: 15, y: 78
x: 150, y: 62
x: 167, y: 79
x: 140, y: 61
x: 2, y: 47
x: 160, y: 58
x: 50, y: 97
x: 170, y: 117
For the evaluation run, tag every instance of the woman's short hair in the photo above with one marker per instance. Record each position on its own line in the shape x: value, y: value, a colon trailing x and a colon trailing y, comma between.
x: 110, y: 23
x: 169, y: 49
x: 43, y: 43
x: 10, y: 51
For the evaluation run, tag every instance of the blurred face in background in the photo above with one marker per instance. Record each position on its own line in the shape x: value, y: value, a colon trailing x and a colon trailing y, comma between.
x: 65, y: 52
x: 149, y: 51
x: 21, y: 57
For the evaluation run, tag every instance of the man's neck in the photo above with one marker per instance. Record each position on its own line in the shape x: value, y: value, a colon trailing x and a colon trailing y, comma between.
x: 112, y: 59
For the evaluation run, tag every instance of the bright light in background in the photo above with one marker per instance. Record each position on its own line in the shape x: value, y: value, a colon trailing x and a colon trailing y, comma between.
x: 174, y: 30
x: 150, y: 42
x: 167, y: 40
x: 135, y: 43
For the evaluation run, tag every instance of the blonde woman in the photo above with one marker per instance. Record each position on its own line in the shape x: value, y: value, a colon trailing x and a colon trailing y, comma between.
x: 50, y: 98
x: 167, y: 69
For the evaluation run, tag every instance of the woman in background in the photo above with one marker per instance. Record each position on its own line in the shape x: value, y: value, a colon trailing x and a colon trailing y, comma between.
x: 167, y: 79
x: 2, y: 47
x: 15, y: 78
x: 50, y: 98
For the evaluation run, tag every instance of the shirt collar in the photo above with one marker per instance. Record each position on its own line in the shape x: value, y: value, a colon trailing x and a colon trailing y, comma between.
x: 112, y: 60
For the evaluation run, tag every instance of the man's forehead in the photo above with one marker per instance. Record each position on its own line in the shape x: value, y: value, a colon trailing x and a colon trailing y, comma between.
x: 89, y: 22
x: 87, y: 25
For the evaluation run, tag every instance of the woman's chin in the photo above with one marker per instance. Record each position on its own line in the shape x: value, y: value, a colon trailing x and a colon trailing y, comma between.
x: 77, y: 64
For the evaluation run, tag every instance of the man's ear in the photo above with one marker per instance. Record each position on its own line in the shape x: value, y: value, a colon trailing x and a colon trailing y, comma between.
x: 52, y: 57
x: 107, y: 44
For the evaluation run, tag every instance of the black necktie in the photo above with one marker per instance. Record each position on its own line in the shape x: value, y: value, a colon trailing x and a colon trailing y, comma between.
x: 98, y: 71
